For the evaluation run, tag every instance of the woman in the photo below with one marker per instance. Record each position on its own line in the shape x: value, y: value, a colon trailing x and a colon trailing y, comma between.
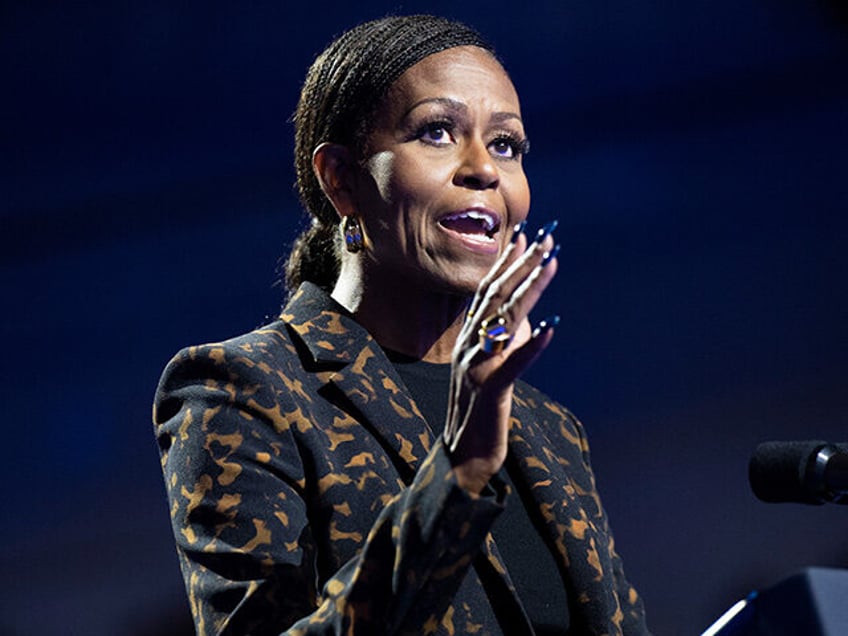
x: 312, y: 487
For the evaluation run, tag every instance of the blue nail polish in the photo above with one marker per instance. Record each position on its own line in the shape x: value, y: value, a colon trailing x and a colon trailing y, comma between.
x: 546, y: 325
x: 546, y: 229
x: 517, y: 230
x: 549, y: 256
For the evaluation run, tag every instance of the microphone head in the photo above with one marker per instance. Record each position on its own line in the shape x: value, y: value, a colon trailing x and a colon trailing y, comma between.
x: 778, y: 471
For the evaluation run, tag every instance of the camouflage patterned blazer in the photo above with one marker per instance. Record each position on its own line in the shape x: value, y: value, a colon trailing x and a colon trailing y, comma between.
x: 308, y: 495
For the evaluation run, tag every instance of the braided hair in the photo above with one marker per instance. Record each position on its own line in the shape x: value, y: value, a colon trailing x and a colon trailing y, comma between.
x: 342, y: 90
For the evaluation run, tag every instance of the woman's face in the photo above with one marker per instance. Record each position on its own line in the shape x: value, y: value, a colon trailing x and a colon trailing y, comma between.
x: 444, y: 178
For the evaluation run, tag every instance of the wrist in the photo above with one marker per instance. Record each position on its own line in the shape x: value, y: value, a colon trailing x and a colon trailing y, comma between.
x: 473, y: 474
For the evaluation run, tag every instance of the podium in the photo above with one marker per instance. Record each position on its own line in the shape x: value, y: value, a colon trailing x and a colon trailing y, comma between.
x: 813, y: 602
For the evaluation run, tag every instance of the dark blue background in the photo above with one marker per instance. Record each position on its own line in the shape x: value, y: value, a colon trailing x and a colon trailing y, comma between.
x: 695, y: 154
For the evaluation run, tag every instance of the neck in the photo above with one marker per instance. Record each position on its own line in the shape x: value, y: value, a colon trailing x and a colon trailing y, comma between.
x: 401, y: 316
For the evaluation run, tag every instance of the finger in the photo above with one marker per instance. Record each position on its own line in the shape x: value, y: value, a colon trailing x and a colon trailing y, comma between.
x: 515, y: 248
x: 528, y: 292
x: 501, y: 288
x: 477, y: 354
x: 493, y: 337
x: 519, y: 289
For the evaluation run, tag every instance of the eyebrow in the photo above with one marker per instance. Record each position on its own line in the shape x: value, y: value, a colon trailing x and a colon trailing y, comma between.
x: 457, y: 106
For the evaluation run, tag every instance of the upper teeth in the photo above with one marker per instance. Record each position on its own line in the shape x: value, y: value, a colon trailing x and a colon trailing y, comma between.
x: 486, y: 219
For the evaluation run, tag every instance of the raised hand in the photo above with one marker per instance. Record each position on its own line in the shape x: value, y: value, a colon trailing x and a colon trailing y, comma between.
x: 495, y: 346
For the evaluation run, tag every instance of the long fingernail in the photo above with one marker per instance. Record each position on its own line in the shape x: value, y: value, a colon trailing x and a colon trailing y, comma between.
x: 546, y: 229
x: 517, y: 230
x: 549, y: 256
x: 546, y: 325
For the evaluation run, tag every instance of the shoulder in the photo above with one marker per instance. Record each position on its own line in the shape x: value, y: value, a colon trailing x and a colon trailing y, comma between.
x: 257, y: 372
x: 302, y: 326
x: 254, y: 353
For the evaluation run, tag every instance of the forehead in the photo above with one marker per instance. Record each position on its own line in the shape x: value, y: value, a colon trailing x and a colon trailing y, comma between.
x: 465, y: 73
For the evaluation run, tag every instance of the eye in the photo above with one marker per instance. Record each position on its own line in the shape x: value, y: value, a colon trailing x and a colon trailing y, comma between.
x: 509, y: 146
x: 437, y: 133
x: 503, y: 148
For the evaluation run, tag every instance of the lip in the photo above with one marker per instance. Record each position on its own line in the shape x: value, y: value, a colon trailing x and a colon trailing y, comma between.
x: 484, y: 243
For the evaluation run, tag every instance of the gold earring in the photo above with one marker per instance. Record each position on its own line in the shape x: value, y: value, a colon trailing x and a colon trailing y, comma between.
x: 353, y: 234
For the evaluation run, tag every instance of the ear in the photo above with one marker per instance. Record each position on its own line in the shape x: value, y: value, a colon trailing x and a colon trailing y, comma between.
x: 335, y: 168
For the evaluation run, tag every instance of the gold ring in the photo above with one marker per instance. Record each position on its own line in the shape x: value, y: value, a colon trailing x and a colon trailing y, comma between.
x: 494, y: 337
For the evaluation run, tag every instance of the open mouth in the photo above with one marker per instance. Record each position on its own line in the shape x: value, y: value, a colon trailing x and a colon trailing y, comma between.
x: 482, y: 224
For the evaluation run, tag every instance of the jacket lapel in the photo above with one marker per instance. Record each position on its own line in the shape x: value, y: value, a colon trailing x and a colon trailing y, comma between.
x: 358, y: 375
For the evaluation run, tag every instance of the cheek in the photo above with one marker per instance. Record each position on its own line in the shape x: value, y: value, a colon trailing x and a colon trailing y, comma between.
x: 518, y: 196
x: 415, y: 185
x: 381, y: 167
x: 400, y: 179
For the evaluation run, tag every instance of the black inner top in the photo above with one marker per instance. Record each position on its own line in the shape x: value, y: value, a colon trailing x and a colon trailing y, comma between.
x: 531, y: 565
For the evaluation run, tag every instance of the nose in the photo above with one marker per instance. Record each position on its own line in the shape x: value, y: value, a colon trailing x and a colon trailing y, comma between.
x: 477, y: 169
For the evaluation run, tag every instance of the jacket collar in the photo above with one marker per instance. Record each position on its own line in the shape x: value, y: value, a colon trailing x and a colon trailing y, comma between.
x: 327, y: 329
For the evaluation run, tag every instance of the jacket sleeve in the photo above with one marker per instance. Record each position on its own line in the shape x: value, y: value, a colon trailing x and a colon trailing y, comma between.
x: 237, y: 488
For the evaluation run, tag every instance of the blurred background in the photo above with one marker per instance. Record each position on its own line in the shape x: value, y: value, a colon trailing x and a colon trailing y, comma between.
x: 694, y: 152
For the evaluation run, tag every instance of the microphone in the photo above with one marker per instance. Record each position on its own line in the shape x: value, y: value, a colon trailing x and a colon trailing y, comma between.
x: 811, y: 472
